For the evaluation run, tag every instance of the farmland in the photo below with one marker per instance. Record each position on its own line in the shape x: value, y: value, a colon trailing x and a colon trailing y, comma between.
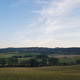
x: 62, y: 58
x: 65, y: 55
x: 46, y: 72
x: 66, y: 58
x: 8, y: 55
x: 41, y: 73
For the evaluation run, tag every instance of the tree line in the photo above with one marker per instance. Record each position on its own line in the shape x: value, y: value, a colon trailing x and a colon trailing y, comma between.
x: 39, y: 60
x: 42, y: 50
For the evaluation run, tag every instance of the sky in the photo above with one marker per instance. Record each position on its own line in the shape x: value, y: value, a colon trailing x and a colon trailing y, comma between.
x: 39, y: 23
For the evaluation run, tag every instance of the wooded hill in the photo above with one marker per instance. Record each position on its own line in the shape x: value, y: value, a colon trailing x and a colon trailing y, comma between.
x: 42, y: 50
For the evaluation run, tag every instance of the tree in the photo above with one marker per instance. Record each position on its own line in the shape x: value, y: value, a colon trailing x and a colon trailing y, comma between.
x: 15, y: 61
x: 77, y: 61
x: 53, y: 61
x: 44, y: 62
x: 41, y: 56
x: 27, y: 63
x: 10, y: 61
x: 33, y: 63
x: 2, y: 61
x: 22, y: 63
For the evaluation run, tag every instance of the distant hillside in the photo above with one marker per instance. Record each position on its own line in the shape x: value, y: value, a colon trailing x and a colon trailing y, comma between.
x: 42, y: 50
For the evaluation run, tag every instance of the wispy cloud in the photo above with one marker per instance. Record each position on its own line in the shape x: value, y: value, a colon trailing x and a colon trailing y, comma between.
x: 54, y: 17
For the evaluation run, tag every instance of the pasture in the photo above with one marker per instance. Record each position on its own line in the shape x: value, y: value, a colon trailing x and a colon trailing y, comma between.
x: 41, y: 73
x: 9, y: 55
x: 66, y: 58
x: 62, y: 58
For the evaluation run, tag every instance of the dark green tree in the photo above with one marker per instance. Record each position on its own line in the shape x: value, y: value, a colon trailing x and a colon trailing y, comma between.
x: 10, y: 61
x: 44, y: 62
x: 41, y: 56
x: 2, y: 61
x: 22, y: 63
x: 53, y: 61
x: 33, y: 63
x: 15, y: 61
x: 77, y: 61
x: 27, y: 63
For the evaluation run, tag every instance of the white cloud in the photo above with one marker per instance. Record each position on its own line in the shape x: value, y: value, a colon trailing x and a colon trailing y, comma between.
x: 54, y: 16
x: 69, y: 35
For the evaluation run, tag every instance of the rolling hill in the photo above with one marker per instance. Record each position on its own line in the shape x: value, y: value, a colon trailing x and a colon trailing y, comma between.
x: 42, y: 50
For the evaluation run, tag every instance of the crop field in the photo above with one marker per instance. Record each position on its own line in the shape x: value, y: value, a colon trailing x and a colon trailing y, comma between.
x: 41, y: 73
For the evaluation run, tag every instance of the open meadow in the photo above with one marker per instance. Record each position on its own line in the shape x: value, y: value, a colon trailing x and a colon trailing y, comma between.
x: 41, y: 73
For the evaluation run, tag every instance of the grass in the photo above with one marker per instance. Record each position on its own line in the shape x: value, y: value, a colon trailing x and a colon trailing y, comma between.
x: 66, y: 59
x: 17, y: 54
x: 41, y: 73
x: 24, y: 59
x: 61, y: 60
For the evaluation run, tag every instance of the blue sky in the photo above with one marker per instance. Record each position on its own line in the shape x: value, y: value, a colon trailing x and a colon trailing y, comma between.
x: 39, y: 23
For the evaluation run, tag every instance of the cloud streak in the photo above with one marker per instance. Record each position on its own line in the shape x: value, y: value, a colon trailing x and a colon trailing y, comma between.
x: 55, y: 16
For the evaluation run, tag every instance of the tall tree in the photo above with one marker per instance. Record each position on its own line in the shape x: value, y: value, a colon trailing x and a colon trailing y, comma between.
x: 10, y: 61
x: 41, y: 56
x: 15, y: 61
x: 2, y: 61
x: 77, y: 61
x: 44, y: 62
x: 53, y: 61
x: 33, y: 63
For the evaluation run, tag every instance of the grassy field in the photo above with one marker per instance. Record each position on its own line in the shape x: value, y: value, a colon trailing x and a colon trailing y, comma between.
x: 17, y: 54
x: 62, y: 58
x: 66, y: 58
x: 41, y: 73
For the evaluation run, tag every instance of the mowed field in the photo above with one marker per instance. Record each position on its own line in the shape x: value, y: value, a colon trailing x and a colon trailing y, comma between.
x: 41, y: 73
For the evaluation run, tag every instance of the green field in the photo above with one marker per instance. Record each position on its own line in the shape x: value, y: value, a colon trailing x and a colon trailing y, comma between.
x: 41, y: 73
x: 61, y: 60
x: 66, y: 59
x: 17, y: 54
